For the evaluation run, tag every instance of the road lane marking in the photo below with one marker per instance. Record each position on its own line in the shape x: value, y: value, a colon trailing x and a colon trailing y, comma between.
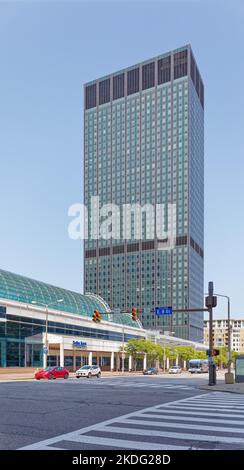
x: 174, y: 435
x: 150, y: 422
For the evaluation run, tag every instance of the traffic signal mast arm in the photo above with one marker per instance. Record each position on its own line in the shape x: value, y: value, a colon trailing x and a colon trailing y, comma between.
x: 185, y: 310
x: 96, y: 317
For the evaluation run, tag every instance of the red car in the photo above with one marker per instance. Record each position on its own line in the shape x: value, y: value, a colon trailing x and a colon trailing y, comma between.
x: 52, y: 373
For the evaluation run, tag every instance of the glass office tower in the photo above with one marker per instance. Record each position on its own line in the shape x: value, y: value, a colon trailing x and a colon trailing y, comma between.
x: 144, y: 143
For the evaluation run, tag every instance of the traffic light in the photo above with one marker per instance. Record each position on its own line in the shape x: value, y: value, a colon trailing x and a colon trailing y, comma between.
x: 96, y: 317
x: 134, y: 314
x: 215, y: 352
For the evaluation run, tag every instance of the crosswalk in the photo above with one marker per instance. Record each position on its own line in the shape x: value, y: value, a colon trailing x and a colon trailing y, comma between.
x: 212, y: 420
x: 128, y: 383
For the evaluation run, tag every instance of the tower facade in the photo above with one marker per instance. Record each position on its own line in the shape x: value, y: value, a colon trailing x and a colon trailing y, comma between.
x: 144, y: 145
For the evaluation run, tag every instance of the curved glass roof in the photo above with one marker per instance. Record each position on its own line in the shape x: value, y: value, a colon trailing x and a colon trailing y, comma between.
x: 26, y: 290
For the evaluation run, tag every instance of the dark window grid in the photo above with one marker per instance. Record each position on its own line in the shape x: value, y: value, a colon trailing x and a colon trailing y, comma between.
x: 193, y: 69
x: 132, y: 81
x: 164, y: 70
x: 119, y: 86
x: 148, y: 75
x: 104, y: 91
x: 27, y: 325
x: 180, y: 64
x: 90, y: 96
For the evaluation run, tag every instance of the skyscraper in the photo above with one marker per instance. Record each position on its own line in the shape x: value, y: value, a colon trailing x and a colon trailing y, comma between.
x: 144, y: 144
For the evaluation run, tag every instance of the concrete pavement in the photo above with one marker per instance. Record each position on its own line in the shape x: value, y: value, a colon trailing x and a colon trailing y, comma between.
x: 136, y: 412
x: 32, y: 411
x: 221, y: 386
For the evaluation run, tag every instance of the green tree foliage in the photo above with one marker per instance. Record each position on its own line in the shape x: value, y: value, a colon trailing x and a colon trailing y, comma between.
x: 137, y: 348
x: 200, y: 355
x: 170, y: 352
x: 186, y: 353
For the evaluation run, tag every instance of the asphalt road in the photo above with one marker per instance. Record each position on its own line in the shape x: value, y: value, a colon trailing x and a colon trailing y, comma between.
x: 119, y: 413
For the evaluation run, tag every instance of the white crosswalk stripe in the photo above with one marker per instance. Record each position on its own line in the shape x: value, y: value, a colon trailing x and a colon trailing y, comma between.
x: 129, y: 383
x: 200, y: 422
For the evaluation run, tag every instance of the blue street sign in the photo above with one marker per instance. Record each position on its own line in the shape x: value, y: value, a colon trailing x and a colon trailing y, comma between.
x: 45, y: 350
x: 158, y: 311
x: 163, y: 310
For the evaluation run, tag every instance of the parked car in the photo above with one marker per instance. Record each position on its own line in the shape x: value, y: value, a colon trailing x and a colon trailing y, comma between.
x: 88, y: 371
x: 175, y: 370
x: 52, y: 373
x: 150, y: 371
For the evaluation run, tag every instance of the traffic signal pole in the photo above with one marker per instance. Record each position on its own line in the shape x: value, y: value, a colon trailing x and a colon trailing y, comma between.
x: 211, y: 301
x: 211, y: 365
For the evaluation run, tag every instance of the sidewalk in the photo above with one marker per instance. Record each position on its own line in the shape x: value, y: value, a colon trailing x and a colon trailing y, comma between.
x: 221, y: 386
x: 19, y: 376
x: 16, y: 376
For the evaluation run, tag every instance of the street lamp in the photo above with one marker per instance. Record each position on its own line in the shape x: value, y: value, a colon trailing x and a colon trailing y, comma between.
x: 34, y: 302
x: 229, y: 331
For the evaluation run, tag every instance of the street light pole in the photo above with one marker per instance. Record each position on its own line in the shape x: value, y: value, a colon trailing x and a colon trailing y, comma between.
x: 123, y: 352
x: 229, y: 331
x: 46, y: 329
x: 229, y: 339
x: 46, y: 325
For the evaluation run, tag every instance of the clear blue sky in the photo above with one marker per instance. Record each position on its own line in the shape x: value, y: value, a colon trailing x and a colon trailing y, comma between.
x: 48, y: 50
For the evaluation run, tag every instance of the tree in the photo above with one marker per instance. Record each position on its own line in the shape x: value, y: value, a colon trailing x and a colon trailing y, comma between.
x: 134, y: 348
x: 154, y: 352
x: 137, y: 348
x: 200, y: 355
x: 234, y: 354
x: 185, y: 353
x: 169, y: 353
x: 221, y: 359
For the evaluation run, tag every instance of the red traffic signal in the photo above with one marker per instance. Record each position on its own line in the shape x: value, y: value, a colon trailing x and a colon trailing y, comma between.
x: 96, y: 317
x: 134, y: 314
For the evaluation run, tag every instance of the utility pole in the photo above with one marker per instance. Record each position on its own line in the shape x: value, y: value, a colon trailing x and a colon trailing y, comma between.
x: 123, y: 352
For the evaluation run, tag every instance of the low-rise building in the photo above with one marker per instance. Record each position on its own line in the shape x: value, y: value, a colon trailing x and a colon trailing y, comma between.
x: 220, y: 334
x: 41, y: 325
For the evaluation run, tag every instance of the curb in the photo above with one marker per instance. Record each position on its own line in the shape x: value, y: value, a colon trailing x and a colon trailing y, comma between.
x: 207, y: 387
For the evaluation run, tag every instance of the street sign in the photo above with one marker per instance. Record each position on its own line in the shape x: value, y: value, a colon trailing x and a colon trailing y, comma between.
x: 123, y: 355
x: 45, y: 350
x: 163, y: 311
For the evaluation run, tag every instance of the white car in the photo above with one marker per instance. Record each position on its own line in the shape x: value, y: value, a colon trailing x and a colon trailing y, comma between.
x: 88, y: 371
x: 175, y: 370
